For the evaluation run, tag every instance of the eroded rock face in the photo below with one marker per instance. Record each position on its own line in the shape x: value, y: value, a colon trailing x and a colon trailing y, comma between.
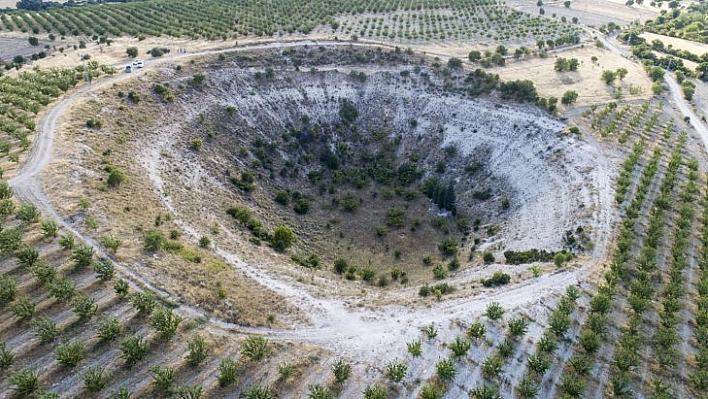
x: 512, y: 165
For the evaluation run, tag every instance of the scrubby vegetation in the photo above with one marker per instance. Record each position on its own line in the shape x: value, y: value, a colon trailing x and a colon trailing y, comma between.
x: 684, y: 24
x: 355, y: 176
x: 533, y: 255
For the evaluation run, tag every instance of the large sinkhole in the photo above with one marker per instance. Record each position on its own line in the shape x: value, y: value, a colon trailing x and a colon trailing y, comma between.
x: 391, y: 167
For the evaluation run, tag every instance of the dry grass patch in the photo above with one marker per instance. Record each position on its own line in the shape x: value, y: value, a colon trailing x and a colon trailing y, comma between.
x: 586, y: 80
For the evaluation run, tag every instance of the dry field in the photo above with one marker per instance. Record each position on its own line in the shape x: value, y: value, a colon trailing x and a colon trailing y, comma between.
x: 585, y: 81
x: 677, y: 43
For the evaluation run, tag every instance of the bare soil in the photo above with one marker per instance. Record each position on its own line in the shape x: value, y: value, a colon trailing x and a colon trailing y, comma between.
x: 586, y: 80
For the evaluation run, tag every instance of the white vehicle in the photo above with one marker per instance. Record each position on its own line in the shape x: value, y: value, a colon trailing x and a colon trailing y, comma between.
x: 138, y: 63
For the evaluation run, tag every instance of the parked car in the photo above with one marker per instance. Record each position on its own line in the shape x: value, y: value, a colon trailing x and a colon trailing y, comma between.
x: 138, y: 63
x: 129, y: 68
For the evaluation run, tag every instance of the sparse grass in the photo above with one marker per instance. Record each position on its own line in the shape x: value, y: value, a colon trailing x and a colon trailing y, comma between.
x: 189, y: 392
x: 415, y: 348
x: 121, y: 393
x: 430, y: 331
x: 459, y: 347
x: 445, y: 370
x: 144, y: 302
x: 396, y: 371
x: 8, y: 289
x: 375, y: 391
x: 259, y: 392
x: 341, y: 370
x: 285, y: 370
x: 84, y: 306
x: 121, y: 288
x: 317, y: 391
x: 476, y: 330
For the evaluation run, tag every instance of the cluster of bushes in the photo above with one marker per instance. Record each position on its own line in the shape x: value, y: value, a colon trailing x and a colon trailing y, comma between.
x: 520, y: 90
x: 609, y: 76
x: 348, y: 112
x: 164, y: 91
x: 498, y: 278
x: 263, y: 150
x: 360, y: 76
x: 342, y: 267
x: 658, y: 45
x: 624, y: 179
x: 396, y: 217
x: 437, y: 289
x: 247, y: 219
x: 533, y: 255
x: 479, y: 82
x: 688, y: 88
x: 312, y: 261
x: 645, y: 52
x: 562, y: 40
x: 565, y: 64
x: 116, y: 176
x: 442, y: 194
x: 155, y: 240
x: 198, y: 80
x: 94, y: 123
x: 569, y: 97
x: 496, y: 58
x: 281, y: 239
x: 448, y: 247
x: 550, y: 103
x: 245, y: 182
x: 700, y: 373
x: 686, y: 24
x: 158, y: 51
